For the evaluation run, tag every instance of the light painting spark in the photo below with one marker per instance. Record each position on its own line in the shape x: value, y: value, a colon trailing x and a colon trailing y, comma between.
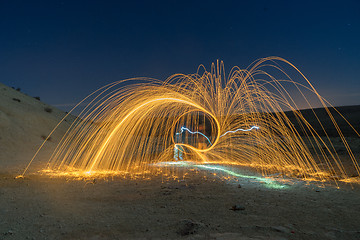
x: 237, y: 119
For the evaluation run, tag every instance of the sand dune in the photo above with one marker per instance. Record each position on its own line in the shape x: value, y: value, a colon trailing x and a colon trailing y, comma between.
x: 24, y: 124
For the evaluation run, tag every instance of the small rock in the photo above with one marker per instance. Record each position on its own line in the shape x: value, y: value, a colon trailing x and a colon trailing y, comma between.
x: 239, y: 186
x: 237, y: 207
x: 167, y: 192
x: 281, y: 229
x: 187, y: 226
x: 10, y: 232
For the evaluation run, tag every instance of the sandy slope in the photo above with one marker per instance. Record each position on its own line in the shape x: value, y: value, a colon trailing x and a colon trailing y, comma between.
x: 24, y: 123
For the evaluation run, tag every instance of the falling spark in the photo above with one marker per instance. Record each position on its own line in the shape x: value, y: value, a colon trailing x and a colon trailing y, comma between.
x: 130, y: 125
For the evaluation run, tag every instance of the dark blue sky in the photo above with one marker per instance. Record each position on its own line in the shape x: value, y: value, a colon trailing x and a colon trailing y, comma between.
x: 64, y: 50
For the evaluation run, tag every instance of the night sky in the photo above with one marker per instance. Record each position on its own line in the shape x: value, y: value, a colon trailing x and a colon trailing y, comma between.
x: 64, y: 50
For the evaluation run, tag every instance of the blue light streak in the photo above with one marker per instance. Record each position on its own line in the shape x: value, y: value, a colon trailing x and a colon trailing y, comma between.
x: 267, y: 181
x: 242, y: 130
x: 237, y: 130
x: 184, y: 128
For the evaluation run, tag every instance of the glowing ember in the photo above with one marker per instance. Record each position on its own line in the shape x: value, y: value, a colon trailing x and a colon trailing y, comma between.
x: 131, y: 125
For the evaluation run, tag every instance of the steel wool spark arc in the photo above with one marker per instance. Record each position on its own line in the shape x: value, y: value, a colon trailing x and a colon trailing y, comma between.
x: 238, y: 119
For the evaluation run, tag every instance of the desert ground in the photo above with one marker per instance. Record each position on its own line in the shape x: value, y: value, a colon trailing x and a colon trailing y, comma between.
x: 198, y: 206
x: 38, y: 207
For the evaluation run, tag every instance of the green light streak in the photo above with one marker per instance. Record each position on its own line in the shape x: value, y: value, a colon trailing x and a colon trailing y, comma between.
x: 269, y: 183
